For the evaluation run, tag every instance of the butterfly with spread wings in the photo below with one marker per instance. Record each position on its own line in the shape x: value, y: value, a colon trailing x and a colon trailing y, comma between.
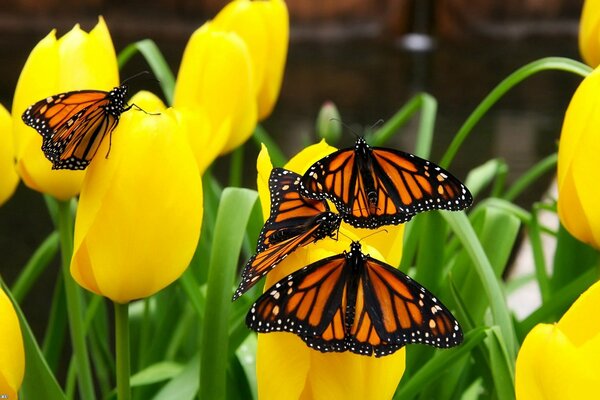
x: 294, y: 221
x: 353, y: 302
x: 73, y: 124
x: 374, y: 186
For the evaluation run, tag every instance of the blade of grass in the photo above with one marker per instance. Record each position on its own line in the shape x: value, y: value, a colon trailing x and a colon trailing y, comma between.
x: 544, y: 64
x: 232, y: 217
x: 54, y: 337
x: 539, y: 261
x: 261, y: 136
x: 501, y: 365
x: 155, y: 60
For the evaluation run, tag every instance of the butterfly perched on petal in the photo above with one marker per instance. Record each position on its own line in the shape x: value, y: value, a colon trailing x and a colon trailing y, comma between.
x: 374, y: 186
x: 294, y: 221
x: 353, y: 302
x: 73, y: 124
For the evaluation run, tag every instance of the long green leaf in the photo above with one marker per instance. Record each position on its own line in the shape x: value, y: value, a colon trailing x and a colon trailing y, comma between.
x: 501, y: 365
x: 38, y: 382
x: 156, y: 61
x: 232, y: 215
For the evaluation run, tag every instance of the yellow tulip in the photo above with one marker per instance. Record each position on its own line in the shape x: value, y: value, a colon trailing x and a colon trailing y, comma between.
x: 215, y: 78
x: 286, y: 367
x: 140, y: 209
x: 578, y: 173
x: 264, y: 27
x: 589, y: 33
x: 78, y: 60
x: 560, y: 361
x: 10, y: 179
x: 12, y: 355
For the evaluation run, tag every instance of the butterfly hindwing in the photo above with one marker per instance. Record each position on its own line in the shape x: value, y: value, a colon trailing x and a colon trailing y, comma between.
x: 294, y: 221
x: 379, y: 186
x: 352, y: 302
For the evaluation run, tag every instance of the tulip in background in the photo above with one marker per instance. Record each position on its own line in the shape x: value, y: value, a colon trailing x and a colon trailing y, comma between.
x: 560, y: 361
x: 12, y: 356
x: 140, y: 209
x: 10, y: 179
x: 286, y: 367
x: 589, y: 33
x: 76, y: 61
x: 264, y: 27
x: 578, y: 173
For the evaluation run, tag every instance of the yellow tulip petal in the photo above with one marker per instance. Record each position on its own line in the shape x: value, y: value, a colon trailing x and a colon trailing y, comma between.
x: 308, y: 156
x: 140, y: 210
x: 264, y: 167
x: 10, y: 179
x: 570, y: 212
x: 12, y: 356
x: 216, y: 75
x: 589, y: 33
x: 581, y: 323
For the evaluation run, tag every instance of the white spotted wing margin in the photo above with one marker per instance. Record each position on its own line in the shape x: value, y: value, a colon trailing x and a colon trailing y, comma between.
x: 294, y: 221
x: 353, y: 302
x: 375, y: 186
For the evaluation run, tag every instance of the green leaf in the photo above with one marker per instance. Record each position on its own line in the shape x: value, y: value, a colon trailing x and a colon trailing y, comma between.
x: 38, y: 382
x: 462, y: 228
x: 37, y: 264
x: 442, y: 361
x: 500, y: 364
x: 482, y: 176
x: 158, y: 372
x: 155, y: 60
x: 232, y: 218
x: 185, y: 385
x: 530, y: 176
x: 261, y: 136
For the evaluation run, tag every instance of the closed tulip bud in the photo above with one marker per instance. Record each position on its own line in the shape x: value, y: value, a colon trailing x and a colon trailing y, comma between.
x: 329, y: 126
x: 215, y: 78
x: 560, y: 361
x: 76, y: 61
x: 10, y: 179
x: 12, y: 355
x: 140, y: 209
x: 589, y: 33
x: 264, y: 27
x: 578, y: 174
x: 286, y: 366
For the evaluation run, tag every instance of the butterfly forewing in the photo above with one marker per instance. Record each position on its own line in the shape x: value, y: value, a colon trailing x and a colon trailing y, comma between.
x: 294, y: 221
x: 73, y: 124
x: 378, y: 186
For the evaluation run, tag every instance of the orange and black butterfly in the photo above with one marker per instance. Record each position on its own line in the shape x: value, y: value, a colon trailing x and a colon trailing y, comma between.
x: 353, y: 302
x: 374, y: 186
x: 294, y: 221
x: 73, y: 124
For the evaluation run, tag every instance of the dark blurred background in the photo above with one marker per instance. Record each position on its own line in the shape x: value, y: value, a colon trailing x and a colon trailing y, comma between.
x: 368, y: 56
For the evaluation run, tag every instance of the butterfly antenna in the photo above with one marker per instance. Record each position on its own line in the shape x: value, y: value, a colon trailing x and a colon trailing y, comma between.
x: 374, y: 233
x: 343, y: 234
x: 348, y: 127
x: 137, y: 76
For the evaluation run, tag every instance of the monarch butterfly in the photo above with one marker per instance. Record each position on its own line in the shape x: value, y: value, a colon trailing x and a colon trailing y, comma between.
x: 73, y: 124
x: 354, y: 302
x: 294, y: 221
x: 374, y: 186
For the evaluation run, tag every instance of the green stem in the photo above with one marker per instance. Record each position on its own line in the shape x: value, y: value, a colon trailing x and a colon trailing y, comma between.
x: 122, y: 351
x: 532, y: 175
x: 74, y: 303
x: 535, y: 237
x: 260, y: 137
x: 236, y: 167
x: 544, y: 64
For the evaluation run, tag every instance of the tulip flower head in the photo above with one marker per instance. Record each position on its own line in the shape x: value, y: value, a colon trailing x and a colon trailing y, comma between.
x: 12, y: 355
x: 286, y: 366
x: 578, y: 172
x: 560, y: 361
x: 76, y: 61
x: 589, y: 33
x: 140, y: 209
x: 10, y: 179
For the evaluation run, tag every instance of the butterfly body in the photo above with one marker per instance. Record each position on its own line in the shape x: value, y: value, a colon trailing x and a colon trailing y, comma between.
x: 73, y: 124
x: 294, y: 222
x: 353, y: 302
x: 375, y: 186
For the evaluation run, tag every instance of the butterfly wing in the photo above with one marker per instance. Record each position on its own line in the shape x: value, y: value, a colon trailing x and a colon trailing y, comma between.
x: 310, y: 302
x: 294, y: 221
x: 72, y: 126
x: 393, y: 310
x: 378, y: 186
